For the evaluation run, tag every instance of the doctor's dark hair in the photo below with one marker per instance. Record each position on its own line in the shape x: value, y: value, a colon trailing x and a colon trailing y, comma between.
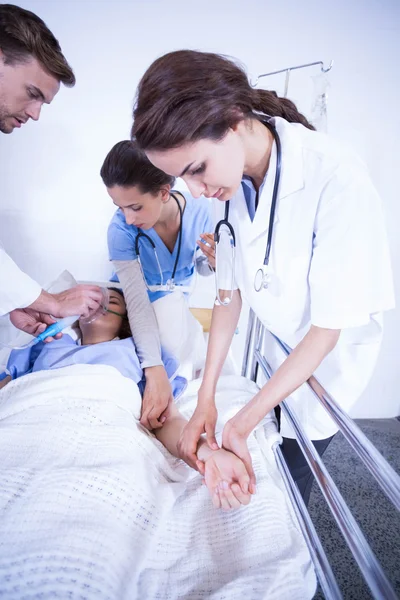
x: 127, y: 165
x: 24, y: 35
x: 187, y: 95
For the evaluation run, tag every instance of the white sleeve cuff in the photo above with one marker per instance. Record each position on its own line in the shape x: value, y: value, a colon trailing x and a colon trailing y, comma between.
x: 18, y: 290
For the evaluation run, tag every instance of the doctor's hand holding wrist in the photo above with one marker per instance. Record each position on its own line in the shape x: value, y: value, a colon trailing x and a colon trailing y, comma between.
x: 223, y: 326
x: 204, y: 420
x: 293, y: 372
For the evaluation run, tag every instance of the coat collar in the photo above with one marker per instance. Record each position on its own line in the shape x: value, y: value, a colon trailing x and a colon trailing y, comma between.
x: 292, y: 180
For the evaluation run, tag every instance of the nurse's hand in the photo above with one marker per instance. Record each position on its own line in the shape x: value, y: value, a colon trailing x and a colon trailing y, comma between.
x: 204, y: 420
x: 156, y: 398
x: 32, y: 321
x: 234, y: 438
x: 208, y: 248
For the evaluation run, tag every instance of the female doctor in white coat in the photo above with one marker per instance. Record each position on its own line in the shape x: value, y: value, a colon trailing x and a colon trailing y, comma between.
x: 329, y: 274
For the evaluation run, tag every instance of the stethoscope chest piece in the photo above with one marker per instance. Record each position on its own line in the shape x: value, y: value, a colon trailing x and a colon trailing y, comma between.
x: 262, y: 279
x: 263, y: 275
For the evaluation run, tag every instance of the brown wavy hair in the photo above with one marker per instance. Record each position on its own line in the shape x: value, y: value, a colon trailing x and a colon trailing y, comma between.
x: 187, y: 95
x: 24, y: 35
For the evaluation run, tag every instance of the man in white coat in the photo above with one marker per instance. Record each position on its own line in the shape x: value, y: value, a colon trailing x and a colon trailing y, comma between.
x: 32, y: 67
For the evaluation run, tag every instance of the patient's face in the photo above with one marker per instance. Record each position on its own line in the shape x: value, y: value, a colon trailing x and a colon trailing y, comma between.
x: 107, y: 326
x: 141, y: 210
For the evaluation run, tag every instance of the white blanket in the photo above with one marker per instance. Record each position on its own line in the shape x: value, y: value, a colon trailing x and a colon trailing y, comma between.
x: 92, y: 507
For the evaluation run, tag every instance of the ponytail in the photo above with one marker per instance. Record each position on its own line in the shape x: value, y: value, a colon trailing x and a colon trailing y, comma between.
x: 187, y: 95
x: 269, y: 103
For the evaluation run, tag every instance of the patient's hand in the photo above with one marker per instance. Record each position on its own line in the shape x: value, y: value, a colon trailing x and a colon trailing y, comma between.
x: 226, y: 478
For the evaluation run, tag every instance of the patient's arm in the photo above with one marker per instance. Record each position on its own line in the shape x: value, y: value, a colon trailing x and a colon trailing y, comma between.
x: 4, y: 381
x: 224, y: 473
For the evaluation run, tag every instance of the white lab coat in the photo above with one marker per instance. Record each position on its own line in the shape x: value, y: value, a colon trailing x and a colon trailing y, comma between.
x: 330, y: 265
x: 17, y: 289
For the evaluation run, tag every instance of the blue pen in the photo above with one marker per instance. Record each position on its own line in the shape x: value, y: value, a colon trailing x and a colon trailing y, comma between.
x: 205, y: 242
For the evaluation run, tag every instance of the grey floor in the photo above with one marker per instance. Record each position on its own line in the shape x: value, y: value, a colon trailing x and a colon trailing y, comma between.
x: 378, y: 519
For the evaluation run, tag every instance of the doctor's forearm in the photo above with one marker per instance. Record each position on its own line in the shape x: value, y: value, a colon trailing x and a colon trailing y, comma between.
x: 293, y: 372
x: 223, y: 326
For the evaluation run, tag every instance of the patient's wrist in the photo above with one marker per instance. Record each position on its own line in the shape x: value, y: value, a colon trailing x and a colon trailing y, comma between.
x: 203, y: 450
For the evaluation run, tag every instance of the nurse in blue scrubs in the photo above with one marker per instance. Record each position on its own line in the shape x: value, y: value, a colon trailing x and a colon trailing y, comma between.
x: 151, y: 212
x: 163, y: 227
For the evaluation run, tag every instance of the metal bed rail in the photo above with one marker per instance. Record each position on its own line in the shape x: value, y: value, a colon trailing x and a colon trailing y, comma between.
x: 372, y: 459
x: 386, y: 477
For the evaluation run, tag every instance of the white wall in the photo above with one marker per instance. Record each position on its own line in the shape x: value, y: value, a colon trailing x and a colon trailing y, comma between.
x: 54, y: 210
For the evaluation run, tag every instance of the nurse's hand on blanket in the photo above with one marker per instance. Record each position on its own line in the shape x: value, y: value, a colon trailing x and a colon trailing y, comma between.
x: 204, y: 420
x: 157, y: 397
x: 235, y: 440
x: 225, y: 477
x: 206, y: 244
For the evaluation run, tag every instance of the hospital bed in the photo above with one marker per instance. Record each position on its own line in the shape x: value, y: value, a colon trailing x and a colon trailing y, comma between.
x: 256, y: 364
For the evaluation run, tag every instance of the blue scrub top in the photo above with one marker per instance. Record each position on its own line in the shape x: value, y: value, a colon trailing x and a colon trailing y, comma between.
x: 65, y: 352
x: 250, y: 194
x: 197, y: 219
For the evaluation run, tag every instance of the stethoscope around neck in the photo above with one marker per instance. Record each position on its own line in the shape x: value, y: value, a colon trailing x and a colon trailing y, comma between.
x: 169, y: 285
x: 263, y: 275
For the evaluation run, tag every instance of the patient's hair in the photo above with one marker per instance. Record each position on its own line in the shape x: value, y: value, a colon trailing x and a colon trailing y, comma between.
x: 128, y: 166
x: 125, y: 330
x: 24, y: 35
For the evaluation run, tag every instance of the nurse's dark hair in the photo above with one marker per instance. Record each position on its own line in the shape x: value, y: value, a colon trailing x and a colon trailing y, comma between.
x: 127, y: 165
x: 187, y: 95
x: 24, y: 35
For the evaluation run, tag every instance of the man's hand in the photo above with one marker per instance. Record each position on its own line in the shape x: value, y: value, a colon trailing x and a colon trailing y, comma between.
x: 156, y: 398
x: 32, y: 321
x: 79, y: 300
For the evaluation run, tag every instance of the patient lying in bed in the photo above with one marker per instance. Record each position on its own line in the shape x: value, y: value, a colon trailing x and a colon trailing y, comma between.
x: 107, y: 341
x: 93, y: 506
